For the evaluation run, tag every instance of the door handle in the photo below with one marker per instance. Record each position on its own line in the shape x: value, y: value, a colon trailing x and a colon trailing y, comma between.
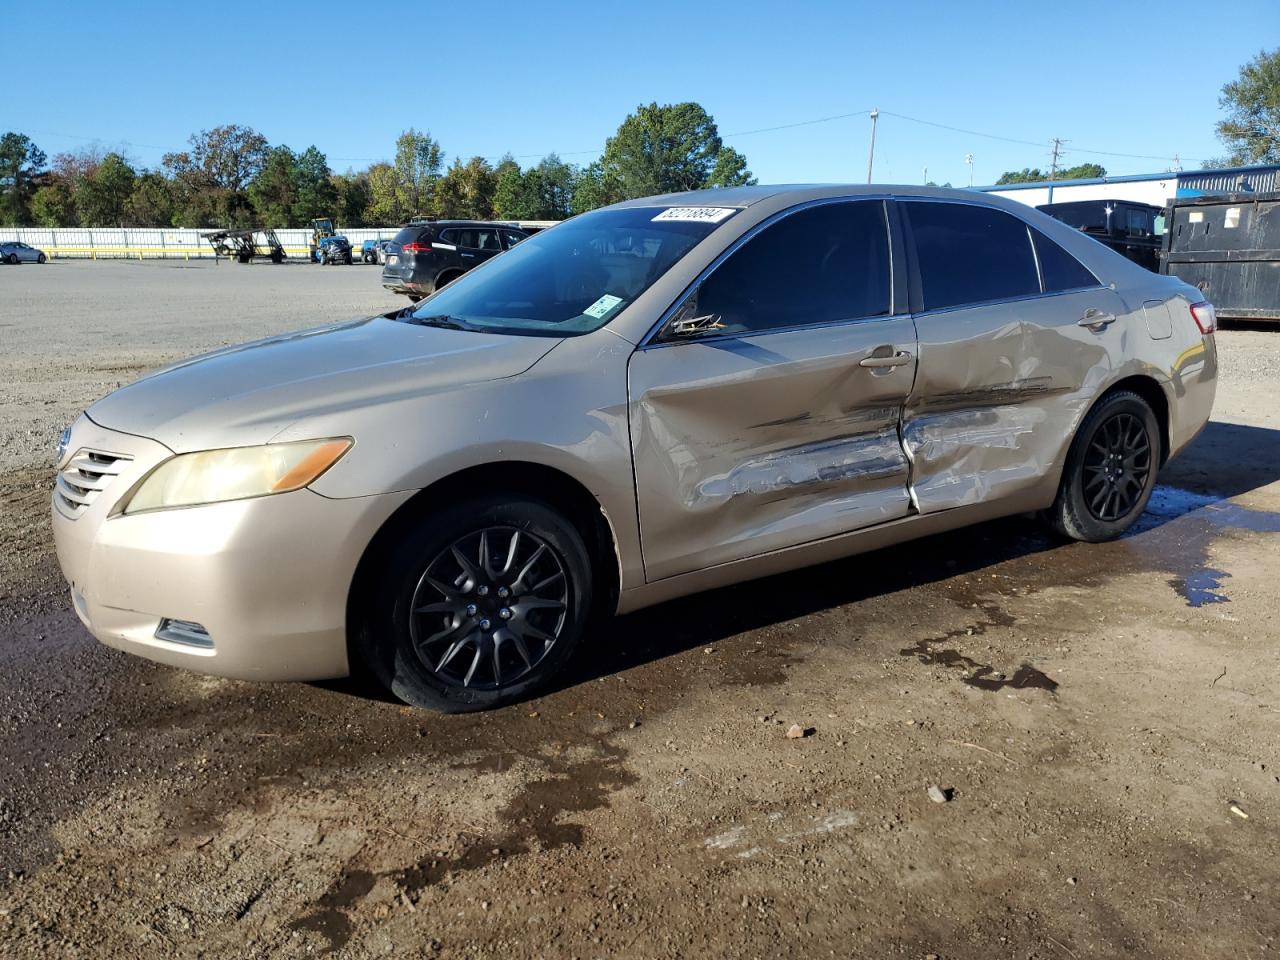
x: 897, y: 360
x: 1096, y: 319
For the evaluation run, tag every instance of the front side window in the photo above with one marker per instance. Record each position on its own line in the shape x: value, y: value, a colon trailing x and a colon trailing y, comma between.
x: 968, y: 253
x: 825, y: 263
x: 573, y: 278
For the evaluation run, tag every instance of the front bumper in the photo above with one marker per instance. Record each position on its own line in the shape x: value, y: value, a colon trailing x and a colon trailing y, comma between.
x: 267, y: 578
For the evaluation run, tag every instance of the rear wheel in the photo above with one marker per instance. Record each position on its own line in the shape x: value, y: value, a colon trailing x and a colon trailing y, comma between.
x: 478, y: 605
x: 1111, y: 470
x: 41, y: 259
x: 444, y: 280
x: 11, y: 259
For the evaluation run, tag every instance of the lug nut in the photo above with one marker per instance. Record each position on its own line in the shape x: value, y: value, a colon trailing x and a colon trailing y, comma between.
x: 471, y: 609
x: 505, y: 613
x: 503, y: 592
x: 482, y: 591
x: 484, y: 624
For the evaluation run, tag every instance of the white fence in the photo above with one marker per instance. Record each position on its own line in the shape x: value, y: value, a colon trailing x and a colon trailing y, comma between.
x: 139, y: 243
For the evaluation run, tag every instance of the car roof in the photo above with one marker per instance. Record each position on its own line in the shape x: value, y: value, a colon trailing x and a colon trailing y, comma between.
x: 801, y: 192
x: 505, y: 224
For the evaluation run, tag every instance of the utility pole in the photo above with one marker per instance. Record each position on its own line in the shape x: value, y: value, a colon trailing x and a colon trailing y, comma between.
x: 1053, y: 163
x: 871, y: 154
x: 968, y: 158
x: 1177, y: 164
x: 926, y: 176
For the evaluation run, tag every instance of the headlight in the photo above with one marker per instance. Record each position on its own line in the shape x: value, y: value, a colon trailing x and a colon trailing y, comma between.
x: 237, y: 473
x: 64, y: 441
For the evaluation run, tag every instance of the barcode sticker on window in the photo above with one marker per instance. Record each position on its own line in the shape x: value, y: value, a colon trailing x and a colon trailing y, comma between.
x: 695, y: 214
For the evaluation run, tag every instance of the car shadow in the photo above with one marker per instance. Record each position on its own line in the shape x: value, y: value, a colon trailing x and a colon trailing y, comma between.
x: 1227, y: 460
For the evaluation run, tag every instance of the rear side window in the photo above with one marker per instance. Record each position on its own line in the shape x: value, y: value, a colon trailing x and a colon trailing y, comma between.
x: 407, y: 235
x: 512, y: 237
x: 970, y: 254
x: 1060, y: 270
x: 829, y: 262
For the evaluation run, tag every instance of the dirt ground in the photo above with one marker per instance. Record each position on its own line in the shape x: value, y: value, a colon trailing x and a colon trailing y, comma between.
x: 1105, y: 720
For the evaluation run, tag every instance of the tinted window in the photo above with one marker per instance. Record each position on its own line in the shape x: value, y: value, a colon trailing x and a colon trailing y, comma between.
x: 488, y: 240
x: 570, y: 280
x: 407, y: 235
x: 1061, y: 271
x: 512, y: 237
x: 970, y: 254
x: 830, y: 262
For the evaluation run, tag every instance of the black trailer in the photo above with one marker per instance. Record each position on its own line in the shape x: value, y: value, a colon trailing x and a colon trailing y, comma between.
x: 244, y: 245
x: 1125, y: 226
x: 1229, y: 248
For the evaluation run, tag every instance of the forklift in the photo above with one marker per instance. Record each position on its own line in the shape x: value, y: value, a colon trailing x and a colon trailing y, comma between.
x: 327, y: 245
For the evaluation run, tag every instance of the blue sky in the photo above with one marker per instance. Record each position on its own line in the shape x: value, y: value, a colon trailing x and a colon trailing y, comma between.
x: 531, y: 78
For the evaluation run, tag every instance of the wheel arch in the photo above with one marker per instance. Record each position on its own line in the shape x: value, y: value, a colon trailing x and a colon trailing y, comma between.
x: 1149, y: 389
x: 560, y: 490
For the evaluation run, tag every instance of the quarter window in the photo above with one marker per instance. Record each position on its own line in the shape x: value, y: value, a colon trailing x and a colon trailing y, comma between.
x: 1059, y: 269
x: 828, y: 262
x: 970, y: 254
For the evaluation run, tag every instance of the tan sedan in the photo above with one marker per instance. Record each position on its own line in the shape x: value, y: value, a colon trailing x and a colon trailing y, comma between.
x: 655, y: 398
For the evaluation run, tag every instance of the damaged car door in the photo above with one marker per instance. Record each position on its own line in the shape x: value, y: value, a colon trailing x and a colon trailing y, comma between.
x: 765, y: 410
x: 1015, y: 337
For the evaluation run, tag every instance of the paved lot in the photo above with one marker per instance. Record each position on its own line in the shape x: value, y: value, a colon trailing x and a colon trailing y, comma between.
x: 1097, y: 711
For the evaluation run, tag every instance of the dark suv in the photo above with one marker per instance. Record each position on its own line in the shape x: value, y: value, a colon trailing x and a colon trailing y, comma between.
x: 1126, y: 226
x: 423, y: 257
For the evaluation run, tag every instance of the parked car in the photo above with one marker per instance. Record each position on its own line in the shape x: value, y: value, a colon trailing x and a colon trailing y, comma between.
x: 381, y: 250
x: 1126, y: 226
x: 655, y: 398
x: 369, y: 251
x: 425, y: 256
x: 13, y: 251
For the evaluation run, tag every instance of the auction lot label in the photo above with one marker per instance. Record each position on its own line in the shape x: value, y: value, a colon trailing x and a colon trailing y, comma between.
x: 695, y: 214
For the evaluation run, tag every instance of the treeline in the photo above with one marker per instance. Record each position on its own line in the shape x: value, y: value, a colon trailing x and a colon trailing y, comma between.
x: 232, y: 176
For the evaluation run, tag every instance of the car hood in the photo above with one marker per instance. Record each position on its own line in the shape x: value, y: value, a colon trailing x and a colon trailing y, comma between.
x: 248, y: 394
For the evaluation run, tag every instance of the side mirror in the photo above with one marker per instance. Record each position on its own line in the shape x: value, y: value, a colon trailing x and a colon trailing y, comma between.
x: 688, y: 324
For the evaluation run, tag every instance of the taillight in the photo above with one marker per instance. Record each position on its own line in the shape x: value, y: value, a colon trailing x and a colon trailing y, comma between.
x: 1205, y: 316
x: 416, y: 247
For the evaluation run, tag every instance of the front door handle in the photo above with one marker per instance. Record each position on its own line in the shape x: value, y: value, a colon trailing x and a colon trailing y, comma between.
x: 1096, y: 319
x: 897, y: 360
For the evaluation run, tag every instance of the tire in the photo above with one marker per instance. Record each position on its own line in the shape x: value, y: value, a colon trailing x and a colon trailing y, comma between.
x: 42, y: 259
x: 12, y: 259
x: 277, y: 256
x: 443, y: 657
x: 444, y: 281
x: 346, y: 258
x: 1111, y: 470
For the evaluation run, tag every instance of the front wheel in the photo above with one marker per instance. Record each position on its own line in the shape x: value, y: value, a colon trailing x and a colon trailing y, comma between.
x: 1110, y: 472
x: 11, y: 259
x: 41, y: 259
x: 479, y: 605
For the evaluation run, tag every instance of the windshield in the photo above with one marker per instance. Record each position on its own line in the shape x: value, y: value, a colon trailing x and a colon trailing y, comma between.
x: 575, y: 277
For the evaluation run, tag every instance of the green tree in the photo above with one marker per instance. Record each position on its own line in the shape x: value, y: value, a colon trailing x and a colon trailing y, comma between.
x: 419, y: 161
x: 352, y: 196
x: 21, y: 161
x: 274, y: 191
x: 53, y: 204
x: 663, y: 149
x: 213, y: 176
x: 384, y: 196
x: 508, y: 191
x: 595, y: 187
x: 1082, y: 171
x: 556, y: 183
x: 466, y: 190
x: 316, y: 196
x: 151, y: 203
x: 1252, y: 127
x: 730, y: 170
x: 102, y: 199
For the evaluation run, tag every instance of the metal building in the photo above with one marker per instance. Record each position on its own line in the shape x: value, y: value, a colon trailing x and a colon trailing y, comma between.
x: 1156, y: 189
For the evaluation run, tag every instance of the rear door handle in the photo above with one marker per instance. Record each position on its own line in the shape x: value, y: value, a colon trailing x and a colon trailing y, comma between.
x: 897, y: 360
x: 1096, y: 319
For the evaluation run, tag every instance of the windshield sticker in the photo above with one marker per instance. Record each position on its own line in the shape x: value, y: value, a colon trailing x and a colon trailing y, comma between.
x: 695, y: 214
x: 600, y: 309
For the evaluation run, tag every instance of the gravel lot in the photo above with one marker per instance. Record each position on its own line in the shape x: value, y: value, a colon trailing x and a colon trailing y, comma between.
x: 1098, y: 714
